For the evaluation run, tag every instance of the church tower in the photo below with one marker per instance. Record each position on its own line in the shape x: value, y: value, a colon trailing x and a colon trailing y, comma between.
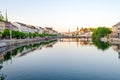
x: 69, y: 30
x: 6, y: 17
x: 77, y: 32
x: 77, y: 29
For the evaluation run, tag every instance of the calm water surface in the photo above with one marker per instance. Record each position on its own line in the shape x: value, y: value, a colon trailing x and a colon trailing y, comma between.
x: 68, y: 59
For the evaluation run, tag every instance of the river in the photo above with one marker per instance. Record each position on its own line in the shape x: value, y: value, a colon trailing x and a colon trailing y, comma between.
x: 65, y: 59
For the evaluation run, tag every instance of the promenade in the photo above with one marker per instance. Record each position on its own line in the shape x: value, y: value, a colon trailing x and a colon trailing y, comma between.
x: 111, y: 40
x: 8, y: 42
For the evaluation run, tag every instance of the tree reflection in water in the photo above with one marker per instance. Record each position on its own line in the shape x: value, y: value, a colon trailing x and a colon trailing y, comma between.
x: 101, y: 45
x: 22, y: 50
x: 2, y: 76
x: 88, y: 41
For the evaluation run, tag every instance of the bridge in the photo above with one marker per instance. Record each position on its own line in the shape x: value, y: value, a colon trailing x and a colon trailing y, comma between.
x: 81, y: 36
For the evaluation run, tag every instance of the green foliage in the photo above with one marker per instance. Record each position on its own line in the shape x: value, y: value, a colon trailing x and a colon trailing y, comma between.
x: 101, y: 32
x: 101, y: 45
x: 6, y: 33
x: 7, y: 56
x: 2, y: 19
x: 92, y: 29
x: 88, y: 29
x: 14, y: 34
x: 22, y: 35
x: 30, y: 35
x: 0, y: 34
x: 20, y: 49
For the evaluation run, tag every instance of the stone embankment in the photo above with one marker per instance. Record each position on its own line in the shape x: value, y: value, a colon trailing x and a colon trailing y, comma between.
x: 4, y: 43
x: 111, y: 40
x: 114, y: 40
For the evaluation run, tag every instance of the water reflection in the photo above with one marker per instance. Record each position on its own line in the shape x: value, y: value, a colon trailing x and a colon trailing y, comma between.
x: 101, y: 45
x: 79, y: 41
x: 88, y: 41
x: 2, y: 75
x: 24, y: 50
x: 59, y: 62
x: 116, y: 47
x: 21, y: 51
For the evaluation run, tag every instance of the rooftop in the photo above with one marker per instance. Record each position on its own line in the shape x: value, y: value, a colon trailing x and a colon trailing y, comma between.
x: 118, y: 24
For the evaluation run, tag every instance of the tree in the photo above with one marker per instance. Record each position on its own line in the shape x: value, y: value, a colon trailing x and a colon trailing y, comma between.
x: 6, y: 33
x: 0, y: 34
x: 101, y: 32
x: 30, y: 35
x: 14, y: 34
x: 2, y: 18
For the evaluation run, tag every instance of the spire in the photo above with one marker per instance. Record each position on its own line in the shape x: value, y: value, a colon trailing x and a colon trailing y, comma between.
x: 77, y: 28
x: 6, y: 16
x: 69, y: 30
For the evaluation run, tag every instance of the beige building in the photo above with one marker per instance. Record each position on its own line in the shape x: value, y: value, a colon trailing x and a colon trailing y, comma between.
x: 115, y: 31
x: 49, y: 30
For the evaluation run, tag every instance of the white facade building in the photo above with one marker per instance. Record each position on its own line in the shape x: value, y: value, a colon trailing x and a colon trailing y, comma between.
x: 22, y: 27
x: 33, y: 29
x: 41, y: 30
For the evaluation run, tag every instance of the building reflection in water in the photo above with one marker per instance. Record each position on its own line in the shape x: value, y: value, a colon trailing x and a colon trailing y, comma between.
x: 88, y: 41
x: 116, y: 47
x: 79, y: 41
x: 24, y: 50
x: 50, y: 45
x: 84, y: 41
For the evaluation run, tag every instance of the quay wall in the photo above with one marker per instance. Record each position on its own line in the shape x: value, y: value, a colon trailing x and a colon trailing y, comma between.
x: 13, y: 42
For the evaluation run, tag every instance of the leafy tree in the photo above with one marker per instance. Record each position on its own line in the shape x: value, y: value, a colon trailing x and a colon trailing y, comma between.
x: 2, y: 18
x: 101, y: 32
x: 30, y: 35
x: 14, y: 34
x: 23, y: 35
x: 6, y: 33
x: 92, y: 29
x: 0, y: 34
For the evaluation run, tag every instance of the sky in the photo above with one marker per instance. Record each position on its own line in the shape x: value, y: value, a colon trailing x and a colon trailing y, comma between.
x: 63, y: 14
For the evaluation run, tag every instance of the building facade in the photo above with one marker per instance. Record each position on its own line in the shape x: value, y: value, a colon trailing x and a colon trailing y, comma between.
x: 115, y: 31
x: 2, y: 26
x: 41, y: 30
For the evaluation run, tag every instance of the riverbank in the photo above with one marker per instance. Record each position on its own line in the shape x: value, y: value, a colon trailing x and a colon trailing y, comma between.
x: 114, y: 40
x: 5, y: 42
x: 111, y: 40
